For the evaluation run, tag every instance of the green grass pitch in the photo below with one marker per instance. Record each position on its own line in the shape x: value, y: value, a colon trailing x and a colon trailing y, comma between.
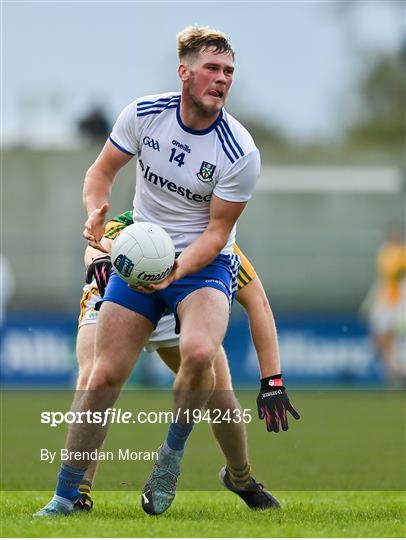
x: 339, y: 471
x: 214, y: 514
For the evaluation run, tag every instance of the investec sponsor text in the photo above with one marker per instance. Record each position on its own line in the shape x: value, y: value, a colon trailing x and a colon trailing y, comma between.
x: 164, y: 183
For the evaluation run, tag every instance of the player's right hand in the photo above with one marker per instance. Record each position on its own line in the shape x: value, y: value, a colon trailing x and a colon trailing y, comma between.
x: 99, y: 269
x: 153, y: 287
x: 94, y: 227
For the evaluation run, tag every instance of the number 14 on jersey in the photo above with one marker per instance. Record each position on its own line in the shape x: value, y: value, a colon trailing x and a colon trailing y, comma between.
x: 180, y: 158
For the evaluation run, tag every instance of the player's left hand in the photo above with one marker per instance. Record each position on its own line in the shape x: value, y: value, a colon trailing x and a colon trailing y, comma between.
x: 273, y: 404
x: 173, y: 276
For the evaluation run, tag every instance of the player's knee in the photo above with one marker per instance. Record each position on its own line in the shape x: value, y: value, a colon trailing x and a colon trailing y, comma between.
x: 103, y: 378
x: 197, y: 358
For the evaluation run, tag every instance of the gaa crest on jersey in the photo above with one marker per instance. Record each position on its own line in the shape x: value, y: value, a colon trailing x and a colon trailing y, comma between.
x: 206, y: 171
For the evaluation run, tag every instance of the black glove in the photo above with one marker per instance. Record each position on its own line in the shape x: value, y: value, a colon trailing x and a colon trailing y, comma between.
x: 99, y: 269
x: 273, y: 404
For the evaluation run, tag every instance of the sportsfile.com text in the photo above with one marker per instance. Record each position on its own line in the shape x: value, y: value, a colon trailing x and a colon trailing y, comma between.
x: 118, y: 416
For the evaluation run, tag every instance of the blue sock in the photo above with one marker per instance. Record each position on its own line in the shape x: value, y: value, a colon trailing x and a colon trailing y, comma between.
x: 69, y: 479
x: 178, y: 434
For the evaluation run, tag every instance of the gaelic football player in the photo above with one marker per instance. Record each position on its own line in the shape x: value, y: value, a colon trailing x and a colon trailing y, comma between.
x: 194, y: 180
x: 386, y: 306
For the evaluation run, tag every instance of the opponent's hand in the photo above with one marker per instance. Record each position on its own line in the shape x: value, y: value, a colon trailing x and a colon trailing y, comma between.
x: 273, y: 404
x: 94, y: 227
x: 173, y: 276
x: 99, y: 269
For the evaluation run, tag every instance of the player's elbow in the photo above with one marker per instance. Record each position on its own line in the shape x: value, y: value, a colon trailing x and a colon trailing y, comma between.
x: 219, y: 238
x: 262, y: 301
x: 98, y: 175
x: 91, y: 172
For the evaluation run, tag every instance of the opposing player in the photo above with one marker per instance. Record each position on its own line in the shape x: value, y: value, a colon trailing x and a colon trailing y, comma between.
x: 197, y: 168
x: 231, y: 438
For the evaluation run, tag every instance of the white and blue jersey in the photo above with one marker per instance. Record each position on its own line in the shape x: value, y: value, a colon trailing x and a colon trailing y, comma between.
x: 179, y: 168
x: 178, y: 171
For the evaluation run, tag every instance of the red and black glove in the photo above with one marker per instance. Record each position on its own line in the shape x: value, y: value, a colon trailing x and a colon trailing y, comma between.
x: 99, y: 269
x: 273, y: 404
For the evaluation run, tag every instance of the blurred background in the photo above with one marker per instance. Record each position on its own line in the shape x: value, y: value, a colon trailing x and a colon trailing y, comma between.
x: 321, y: 87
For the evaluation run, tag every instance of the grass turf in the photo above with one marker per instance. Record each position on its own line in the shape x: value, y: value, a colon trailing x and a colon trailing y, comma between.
x: 340, y: 443
x: 214, y: 514
x: 347, y: 451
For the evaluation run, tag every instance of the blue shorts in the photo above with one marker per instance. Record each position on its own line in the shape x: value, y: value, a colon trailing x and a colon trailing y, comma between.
x: 221, y: 274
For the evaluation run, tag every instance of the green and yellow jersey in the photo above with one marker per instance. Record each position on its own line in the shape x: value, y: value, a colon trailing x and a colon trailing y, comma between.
x: 246, y: 273
x: 117, y: 224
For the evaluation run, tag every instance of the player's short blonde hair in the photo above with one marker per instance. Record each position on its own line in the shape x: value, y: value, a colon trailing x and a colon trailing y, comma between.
x: 192, y: 39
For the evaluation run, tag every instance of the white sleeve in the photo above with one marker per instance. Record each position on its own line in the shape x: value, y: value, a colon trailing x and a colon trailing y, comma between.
x: 125, y: 132
x: 239, y: 181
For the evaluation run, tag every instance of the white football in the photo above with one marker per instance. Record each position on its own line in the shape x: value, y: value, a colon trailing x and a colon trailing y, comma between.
x: 143, y: 253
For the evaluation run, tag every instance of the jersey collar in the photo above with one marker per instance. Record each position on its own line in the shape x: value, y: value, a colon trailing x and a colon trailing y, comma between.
x: 197, y: 131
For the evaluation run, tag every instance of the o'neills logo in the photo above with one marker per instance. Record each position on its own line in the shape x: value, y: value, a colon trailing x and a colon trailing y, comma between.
x: 143, y: 276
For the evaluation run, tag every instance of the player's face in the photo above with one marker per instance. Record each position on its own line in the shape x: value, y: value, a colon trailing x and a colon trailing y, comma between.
x: 209, y: 80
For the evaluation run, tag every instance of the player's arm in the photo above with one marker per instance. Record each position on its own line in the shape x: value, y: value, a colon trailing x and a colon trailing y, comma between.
x: 97, y: 262
x: 97, y: 188
x: 273, y: 402
x: 91, y: 253
x: 223, y: 216
x: 201, y: 252
x: 262, y: 326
